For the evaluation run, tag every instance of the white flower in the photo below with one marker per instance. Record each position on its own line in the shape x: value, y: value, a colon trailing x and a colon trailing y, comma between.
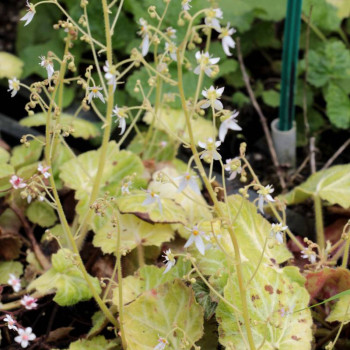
x: 205, y: 63
x: 126, y: 187
x: 186, y: 5
x: 171, y: 32
x: 276, y: 231
x: 14, y: 282
x: 212, y: 240
x: 13, y: 86
x: 212, y: 18
x: 213, y: 96
x: 169, y: 260
x: 145, y: 36
x: 226, y: 40
x: 46, y: 63
x: 29, y: 302
x: 28, y: 17
x: 110, y: 75
x: 188, y: 180
x: 11, y: 323
x: 309, y: 254
x: 25, y: 336
x: 17, y: 182
x: 171, y: 48
x: 95, y: 93
x: 152, y: 198
x: 196, y: 237
x: 264, y: 196
x: 121, y: 114
x: 234, y: 167
x: 162, y: 343
x: 163, y: 143
x: 229, y: 123
x: 287, y: 312
x: 210, y: 149
x: 44, y: 170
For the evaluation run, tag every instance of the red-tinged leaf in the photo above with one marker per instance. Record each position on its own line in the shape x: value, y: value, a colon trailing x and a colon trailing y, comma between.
x: 328, y: 282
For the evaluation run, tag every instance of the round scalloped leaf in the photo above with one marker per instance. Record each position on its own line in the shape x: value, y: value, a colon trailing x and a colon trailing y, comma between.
x: 173, y: 121
x: 10, y: 66
x: 343, y: 7
x: 41, y: 213
x: 6, y: 171
x: 332, y: 185
x: 82, y: 128
x: 133, y: 204
x: 252, y: 230
x: 4, y: 155
x: 66, y: 280
x: 272, y: 297
x: 133, y: 232
x: 80, y: 172
x: 7, y: 267
x: 147, y: 278
x: 341, y: 310
x: 170, y: 311
x: 23, y: 155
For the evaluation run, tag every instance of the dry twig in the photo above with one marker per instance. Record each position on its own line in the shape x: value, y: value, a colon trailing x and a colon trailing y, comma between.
x: 263, y: 119
x: 336, y: 154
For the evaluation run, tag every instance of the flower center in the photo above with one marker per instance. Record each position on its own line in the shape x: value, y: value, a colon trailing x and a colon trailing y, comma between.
x: 212, y: 95
x: 195, y: 232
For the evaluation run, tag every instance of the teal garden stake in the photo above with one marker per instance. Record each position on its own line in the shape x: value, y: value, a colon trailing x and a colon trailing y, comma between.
x: 283, y: 128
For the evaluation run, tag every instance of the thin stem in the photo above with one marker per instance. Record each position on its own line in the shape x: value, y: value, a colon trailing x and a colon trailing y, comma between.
x: 319, y: 221
x: 216, y: 203
x: 347, y: 246
x: 116, y: 16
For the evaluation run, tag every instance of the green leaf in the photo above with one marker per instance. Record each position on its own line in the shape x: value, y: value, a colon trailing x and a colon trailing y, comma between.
x: 271, y: 300
x: 66, y: 280
x: 252, y: 230
x: 148, y: 278
x: 238, y: 12
x: 170, y: 311
x: 171, y: 211
x: 78, y: 173
x: 6, y: 171
x: 22, y: 155
x: 58, y: 233
x: 4, y: 156
x: 343, y: 7
x: 324, y: 15
x: 96, y: 343
x: 332, y: 185
x: 269, y: 10
x: 82, y: 128
x: 341, y: 310
x: 7, y: 267
x: 271, y: 98
x: 41, y: 213
x: 174, y: 120
x: 134, y: 231
x: 203, y: 297
x: 10, y: 66
x: 338, y: 106
x: 99, y: 321
x: 330, y: 62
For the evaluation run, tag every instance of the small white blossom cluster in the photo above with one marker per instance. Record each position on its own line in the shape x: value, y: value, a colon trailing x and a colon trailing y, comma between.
x: 25, y: 335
